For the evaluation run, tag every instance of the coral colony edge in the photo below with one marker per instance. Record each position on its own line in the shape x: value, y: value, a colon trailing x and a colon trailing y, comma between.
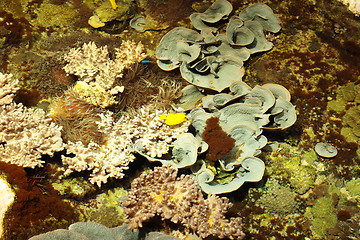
x: 194, y: 119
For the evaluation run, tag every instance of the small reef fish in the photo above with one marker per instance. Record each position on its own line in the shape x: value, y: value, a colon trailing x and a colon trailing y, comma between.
x: 173, y: 118
x: 113, y: 4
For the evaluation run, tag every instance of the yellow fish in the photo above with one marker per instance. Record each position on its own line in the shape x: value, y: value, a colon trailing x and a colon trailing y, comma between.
x: 173, y: 118
x: 113, y: 4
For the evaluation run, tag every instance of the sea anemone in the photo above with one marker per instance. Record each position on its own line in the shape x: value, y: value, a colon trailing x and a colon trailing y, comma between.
x: 77, y: 117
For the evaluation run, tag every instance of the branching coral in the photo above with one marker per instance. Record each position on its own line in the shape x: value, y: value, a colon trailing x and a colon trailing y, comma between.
x: 112, y: 157
x: 98, y: 72
x: 25, y: 133
x: 7, y: 88
x: 160, y: 192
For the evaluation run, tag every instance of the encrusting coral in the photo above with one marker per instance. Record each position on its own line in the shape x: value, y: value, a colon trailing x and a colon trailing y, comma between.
x: 161, y: 192
x: 98, y: 72
x: 112, y: 157
x: 26, y: 132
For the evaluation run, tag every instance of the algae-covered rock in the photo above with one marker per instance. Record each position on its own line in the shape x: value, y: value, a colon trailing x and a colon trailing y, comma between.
x: 278, y: 199
x: 298, y: 169
x: 322, y: 215
x: 77, y: 188
x: 353, y: 190
x: 105, y: 208
x: 56, y: 15
x: 351, y: 123
x: 106, y: 13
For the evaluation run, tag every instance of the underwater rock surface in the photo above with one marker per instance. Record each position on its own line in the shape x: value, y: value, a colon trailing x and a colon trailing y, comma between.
x: 315, y: 57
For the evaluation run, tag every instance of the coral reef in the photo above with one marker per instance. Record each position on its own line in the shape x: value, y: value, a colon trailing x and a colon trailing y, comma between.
x: 160, y: 192
x: 26, y: 132
x: 316, y: 56
x: 7, y: 88
x: 111, y: 158
x: 98, y: 72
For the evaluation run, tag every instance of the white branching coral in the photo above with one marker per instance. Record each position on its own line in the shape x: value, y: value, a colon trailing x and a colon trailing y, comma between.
x: 26, y: 134
x: 7, y: 88
x: 112, y: 157
x: 98, y: 72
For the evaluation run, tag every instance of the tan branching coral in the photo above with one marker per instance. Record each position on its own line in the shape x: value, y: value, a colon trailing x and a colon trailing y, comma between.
x: 98, y: 72
x: 161, y: 192
x: 27, y: 135
x: 112, y: 157
x: 7, y: 88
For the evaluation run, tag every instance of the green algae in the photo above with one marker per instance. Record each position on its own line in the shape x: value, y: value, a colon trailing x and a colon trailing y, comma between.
x: 353, y: 190
x: 106, y: 208
x: 323, y: 216
x: 297, y: 169
x: 56, y: 15
x: 77, y: 188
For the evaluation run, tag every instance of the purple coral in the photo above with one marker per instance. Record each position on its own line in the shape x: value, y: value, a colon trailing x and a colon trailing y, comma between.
x: 161, y: 192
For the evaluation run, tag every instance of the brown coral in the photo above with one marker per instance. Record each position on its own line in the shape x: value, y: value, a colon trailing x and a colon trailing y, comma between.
x: 160, y: 192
